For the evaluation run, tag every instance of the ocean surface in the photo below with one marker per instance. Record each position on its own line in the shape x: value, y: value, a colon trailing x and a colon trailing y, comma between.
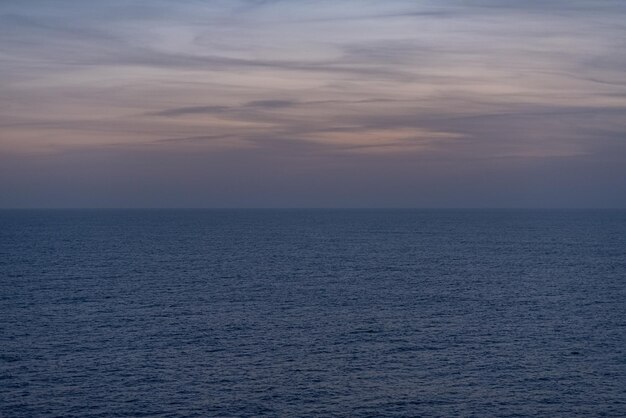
x: 291, y: 313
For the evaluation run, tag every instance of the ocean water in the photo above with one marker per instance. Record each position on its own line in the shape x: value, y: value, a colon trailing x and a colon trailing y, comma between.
x: 312, y: 313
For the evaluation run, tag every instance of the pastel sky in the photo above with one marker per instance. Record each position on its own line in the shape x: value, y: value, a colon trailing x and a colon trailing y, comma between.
x: 325, y: 103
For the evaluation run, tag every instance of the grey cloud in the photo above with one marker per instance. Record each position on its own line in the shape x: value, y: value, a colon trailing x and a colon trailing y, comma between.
x: 408, y: 14
x: 551, y: 5
x: 194, y: 110
x: 190, y: 110
x: 191, y: 139
x: 268, y: 104
x: 271, y: 104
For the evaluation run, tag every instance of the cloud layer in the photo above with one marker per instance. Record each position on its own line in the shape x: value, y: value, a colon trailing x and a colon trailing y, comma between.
x: 432, y: 103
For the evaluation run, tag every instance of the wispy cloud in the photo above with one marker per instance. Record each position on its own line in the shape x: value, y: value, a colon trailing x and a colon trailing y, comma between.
x: 433, y: 80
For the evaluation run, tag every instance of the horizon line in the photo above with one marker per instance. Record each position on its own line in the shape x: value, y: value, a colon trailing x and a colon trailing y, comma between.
x: 316, y: 208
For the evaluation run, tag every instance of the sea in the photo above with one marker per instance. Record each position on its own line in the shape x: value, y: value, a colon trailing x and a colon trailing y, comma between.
x: 321, y: 313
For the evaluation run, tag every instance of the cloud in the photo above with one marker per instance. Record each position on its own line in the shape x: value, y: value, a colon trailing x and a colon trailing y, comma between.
x: 191, y: 110
x: 271, y: 104
x: 195, y: 110
x: 320, y: 82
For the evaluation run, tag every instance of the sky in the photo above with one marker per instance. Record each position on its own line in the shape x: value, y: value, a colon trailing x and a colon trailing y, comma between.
x: 325, y: 103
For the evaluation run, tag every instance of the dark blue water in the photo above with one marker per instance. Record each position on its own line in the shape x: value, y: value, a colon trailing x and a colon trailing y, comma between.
x: 324, y: 313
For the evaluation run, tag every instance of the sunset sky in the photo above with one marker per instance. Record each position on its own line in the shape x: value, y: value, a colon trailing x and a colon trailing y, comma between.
x: 294, y: 103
